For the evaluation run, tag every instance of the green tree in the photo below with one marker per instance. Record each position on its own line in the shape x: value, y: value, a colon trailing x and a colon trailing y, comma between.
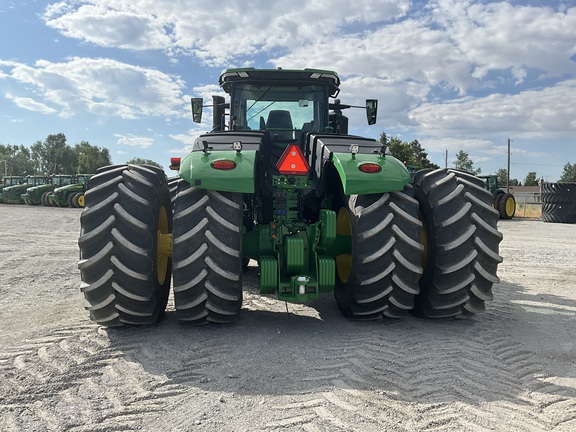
x: 410, y: 153
x: 502, y: 175
x: 90, y: 157
x: 420, y: 156
x: 569, y: 174
x: 463, y: 162
x: 17, y: 159
x: 140, y: 161
x: 531, y: 179
x: 54, y: 156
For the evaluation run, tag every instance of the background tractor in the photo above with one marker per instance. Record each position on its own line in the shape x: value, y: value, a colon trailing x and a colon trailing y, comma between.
x: 279, y: 180
x: 38, y: 194
x: 71, y: 195
x: 8, y: 181
x: 502, y: 201
x: 13, y: 194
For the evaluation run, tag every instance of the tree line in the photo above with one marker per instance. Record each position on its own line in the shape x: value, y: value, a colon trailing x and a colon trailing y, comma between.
x: 413, y: 154
x: 54, y: 155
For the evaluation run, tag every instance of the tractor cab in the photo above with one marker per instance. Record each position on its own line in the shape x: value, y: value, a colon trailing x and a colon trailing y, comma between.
x: 284, y: 103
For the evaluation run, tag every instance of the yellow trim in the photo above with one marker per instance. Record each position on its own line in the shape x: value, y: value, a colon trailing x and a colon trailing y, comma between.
x: 510, y: 207
x: 424, y: 241
x: 344, y: 228
x: 163, y: 245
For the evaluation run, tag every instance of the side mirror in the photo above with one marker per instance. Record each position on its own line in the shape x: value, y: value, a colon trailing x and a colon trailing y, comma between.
x: 371, y: 110
x: 197, y: 109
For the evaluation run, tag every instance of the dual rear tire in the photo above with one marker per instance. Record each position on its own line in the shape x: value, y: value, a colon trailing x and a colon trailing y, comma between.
x: 431, y: 249
x: 124, y: 245
x: 207, y: 258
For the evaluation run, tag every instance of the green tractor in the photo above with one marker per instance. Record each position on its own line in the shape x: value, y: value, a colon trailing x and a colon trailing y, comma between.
x: 504, y: 202
x: 71, y: 195
x: 39, y: 194
x: 279, y: 180
x: 8, y: 181
x: 14, y: 194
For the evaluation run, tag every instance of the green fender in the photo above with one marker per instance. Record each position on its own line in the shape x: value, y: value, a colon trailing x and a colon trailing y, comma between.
x: 196, y: 168
x: 393, y: 175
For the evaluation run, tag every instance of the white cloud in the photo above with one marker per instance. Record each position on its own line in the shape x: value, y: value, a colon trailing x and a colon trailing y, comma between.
x: 134, y: 141
x: 546, y: 113
x: 452, y: 43
x: 102, y: 25
x: 216, y: 31
x: 102, y: 86
x: 497, y: 36
x: 30, y: 104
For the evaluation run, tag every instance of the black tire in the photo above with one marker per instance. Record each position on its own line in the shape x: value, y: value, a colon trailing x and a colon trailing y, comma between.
x: 461, y: 244
x: 173, y: 186
x: 379, y: 278
x: 507, y: 206
x: 79, y: 200
x: 559, y: 212
x: 124, y: 264
x: 559, y: 193
x: 73, y: 199
x: 207, y: 255
x: 497, y: 199
x: 70, y: 200
x: 44, y: 199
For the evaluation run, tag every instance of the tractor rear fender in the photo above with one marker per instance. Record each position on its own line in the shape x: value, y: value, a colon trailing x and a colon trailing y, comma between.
x: 387, y: 174
x: 392, y: 175
x: 200, y: 168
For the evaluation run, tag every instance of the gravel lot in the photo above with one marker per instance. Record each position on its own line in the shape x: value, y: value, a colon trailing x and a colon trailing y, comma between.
x: 285, y: 367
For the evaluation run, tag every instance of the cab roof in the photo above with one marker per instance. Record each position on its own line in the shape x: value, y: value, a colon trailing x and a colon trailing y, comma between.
x: 310, y: 76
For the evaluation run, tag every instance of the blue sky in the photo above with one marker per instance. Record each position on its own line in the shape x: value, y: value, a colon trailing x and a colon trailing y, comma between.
x: 454, y: 74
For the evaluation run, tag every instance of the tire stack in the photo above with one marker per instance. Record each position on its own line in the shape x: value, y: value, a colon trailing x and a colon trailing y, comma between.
x: 559, y: 202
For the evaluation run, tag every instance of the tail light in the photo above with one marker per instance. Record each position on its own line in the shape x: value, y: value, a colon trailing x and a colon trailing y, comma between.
x: 369, y: 167
x: 175, y: 163
x: 223, y: 164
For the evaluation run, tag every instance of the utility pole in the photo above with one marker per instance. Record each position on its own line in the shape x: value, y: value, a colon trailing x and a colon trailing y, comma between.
x: 446, y: 160
x: 508, y: 171
x: 5, y: 167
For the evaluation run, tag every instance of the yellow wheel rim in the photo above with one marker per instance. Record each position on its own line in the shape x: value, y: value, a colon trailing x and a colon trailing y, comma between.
x: 510, y: 207
x: 424, y: 241
x: 163, y: 245
x: 81, y: 200
x: 344, y: 228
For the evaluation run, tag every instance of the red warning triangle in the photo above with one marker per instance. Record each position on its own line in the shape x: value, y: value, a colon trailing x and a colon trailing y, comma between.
x: 293, y: 161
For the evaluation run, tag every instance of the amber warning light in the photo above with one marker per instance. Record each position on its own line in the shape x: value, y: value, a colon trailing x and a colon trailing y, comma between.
x: 293, y: 161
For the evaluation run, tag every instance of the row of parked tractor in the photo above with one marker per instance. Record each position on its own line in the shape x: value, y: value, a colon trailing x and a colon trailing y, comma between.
x: 61, y: 190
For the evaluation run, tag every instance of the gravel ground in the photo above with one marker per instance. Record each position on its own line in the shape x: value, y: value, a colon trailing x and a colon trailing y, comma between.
x: 285, y: 367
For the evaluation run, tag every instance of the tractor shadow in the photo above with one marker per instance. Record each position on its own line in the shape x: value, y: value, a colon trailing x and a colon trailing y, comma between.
x: 497, y: 356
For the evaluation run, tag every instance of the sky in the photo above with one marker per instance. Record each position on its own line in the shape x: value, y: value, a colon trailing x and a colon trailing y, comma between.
x: 452, y: 74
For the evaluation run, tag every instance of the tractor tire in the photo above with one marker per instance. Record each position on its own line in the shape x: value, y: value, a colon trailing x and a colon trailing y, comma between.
x: 207, y: 255
x: 70, y: 200
x: 497, y: 199
x: 73, y: 199
x: 124, y: 244
x: 461, y: 244
x: 79, y: 200
x: 44, y: 199
x: 379, y: 278
x: 559, y: 212
x: 559, y: 193
x: 507, y: 206
x: 173, y: 186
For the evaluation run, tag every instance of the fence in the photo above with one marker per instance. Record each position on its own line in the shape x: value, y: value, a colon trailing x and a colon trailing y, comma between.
x: 528, y: 205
